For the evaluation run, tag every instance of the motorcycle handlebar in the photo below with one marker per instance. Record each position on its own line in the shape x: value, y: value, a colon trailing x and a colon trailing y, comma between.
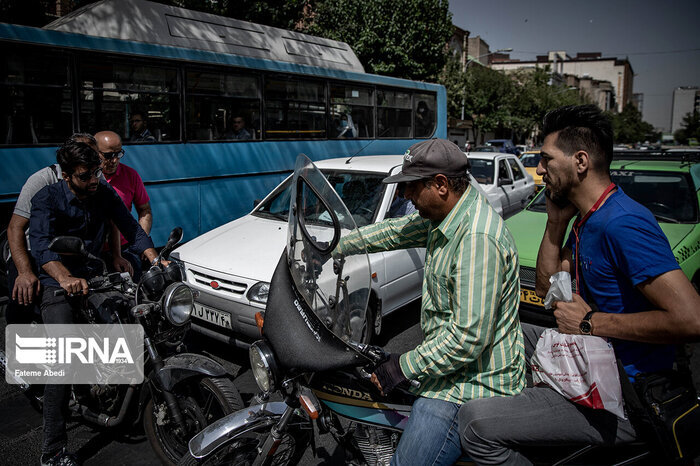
x: 378, y: 356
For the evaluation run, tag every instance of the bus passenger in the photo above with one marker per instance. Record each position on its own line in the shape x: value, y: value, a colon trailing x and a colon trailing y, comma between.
x: 139, y: 128
x: 128, y: 184
x: 22, y: 281
x: 238, y: 130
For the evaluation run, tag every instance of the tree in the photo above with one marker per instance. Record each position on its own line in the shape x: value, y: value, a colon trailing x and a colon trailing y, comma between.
x: 628, y: 126
x: 690, y: 128
x: 401, y: 38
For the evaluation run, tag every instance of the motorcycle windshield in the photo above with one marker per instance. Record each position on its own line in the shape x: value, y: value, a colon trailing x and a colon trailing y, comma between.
x: 335, y: 288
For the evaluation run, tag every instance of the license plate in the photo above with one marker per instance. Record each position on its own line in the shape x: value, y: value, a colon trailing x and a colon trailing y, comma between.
x: 529, y: 296
x: 215, y: 316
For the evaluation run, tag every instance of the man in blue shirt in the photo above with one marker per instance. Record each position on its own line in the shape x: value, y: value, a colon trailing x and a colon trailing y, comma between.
x: 81, y: 205
x: 631, y: 291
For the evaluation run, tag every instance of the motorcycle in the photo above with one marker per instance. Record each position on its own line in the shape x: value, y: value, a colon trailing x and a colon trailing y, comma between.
x: 182, y: 392
x: 309, y: 355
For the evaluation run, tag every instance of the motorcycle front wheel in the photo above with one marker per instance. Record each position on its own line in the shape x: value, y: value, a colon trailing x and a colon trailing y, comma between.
x: 244, y: 449
x: 202, y: 401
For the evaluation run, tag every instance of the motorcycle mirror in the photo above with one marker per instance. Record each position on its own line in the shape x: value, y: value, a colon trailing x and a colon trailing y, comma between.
x: 174, y: 238
x: 68, y: 245
x: 72, y: 245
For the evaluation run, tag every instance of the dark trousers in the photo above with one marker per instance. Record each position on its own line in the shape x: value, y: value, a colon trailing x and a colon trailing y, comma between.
x: 55, y: 310
x: 17, y: 313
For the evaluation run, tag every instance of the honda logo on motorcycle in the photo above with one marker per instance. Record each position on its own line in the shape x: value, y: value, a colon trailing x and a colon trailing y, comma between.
x: 214, y: 284
x: 74, y: 353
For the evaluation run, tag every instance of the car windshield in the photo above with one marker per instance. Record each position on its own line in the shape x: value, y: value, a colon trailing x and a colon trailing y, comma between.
x: 530, y: 160
x: 485, y: 149
x: 496, y: 143
x: 360, y: 192
x: 669, y: 196
x: 482, y: 170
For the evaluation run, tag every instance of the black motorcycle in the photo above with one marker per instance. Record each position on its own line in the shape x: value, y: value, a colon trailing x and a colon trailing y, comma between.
x: 182, y: 392
x: 309, y: 360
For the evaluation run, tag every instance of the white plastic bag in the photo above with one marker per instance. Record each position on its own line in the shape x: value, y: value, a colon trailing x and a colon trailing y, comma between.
x: 559, y: 289
x: 582, y: 368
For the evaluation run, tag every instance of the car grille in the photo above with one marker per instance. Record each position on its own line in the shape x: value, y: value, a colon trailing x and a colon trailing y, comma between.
x: 528, y: 278
x: 226, y: 285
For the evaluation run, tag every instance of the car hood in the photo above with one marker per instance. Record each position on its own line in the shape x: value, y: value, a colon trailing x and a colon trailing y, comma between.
x: 248, y: 247
x: 527, y: 229
x: 675, y: 232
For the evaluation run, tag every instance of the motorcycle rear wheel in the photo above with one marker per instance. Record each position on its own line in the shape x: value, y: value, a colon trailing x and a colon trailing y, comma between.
x: 202, y: 401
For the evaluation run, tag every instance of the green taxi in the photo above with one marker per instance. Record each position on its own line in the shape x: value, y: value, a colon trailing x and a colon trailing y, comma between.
x: 666, y: 184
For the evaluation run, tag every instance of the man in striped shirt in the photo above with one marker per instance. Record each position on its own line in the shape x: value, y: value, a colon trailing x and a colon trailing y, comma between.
x: 473, y: 344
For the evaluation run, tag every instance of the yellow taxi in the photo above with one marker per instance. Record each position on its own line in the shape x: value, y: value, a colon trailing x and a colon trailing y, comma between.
x: 530, y: 159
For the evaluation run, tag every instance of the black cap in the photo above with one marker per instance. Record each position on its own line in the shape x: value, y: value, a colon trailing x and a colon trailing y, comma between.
x: 426, y: 159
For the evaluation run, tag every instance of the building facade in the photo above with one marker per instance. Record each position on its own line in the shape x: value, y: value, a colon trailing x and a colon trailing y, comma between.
x: 685, y: 100
x: 586, y: 66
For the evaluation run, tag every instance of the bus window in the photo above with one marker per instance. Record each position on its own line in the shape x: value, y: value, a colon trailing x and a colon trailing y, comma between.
x: 393, y: 114
x: 295, y: 109
x: 35, y: 96
x: 352, y: 114
x: 222, y: 106
x: 141, y: 103
x: 424, y: 115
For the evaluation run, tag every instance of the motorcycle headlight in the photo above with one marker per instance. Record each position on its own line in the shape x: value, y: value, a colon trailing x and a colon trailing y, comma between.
x: 259, y: 292
x: 264, y: 366
x: 178, y: 302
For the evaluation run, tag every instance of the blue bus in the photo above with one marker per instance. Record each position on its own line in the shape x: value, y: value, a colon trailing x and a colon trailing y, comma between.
x: 190, y: 76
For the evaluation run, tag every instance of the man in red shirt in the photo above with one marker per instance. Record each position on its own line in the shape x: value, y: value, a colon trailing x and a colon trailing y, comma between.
x: 128, y: 184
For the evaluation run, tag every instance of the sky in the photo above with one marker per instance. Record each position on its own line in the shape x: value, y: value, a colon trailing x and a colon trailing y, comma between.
x: 660, y: 38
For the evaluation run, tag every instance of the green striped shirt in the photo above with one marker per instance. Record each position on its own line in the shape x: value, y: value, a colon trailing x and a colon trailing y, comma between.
x: 473, y: 344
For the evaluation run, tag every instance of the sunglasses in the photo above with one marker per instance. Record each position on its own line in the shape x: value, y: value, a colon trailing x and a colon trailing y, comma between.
x: 111, y: 155
x: 87, y: 176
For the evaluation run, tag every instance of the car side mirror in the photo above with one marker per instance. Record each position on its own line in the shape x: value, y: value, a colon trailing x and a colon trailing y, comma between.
x: 504, y: 181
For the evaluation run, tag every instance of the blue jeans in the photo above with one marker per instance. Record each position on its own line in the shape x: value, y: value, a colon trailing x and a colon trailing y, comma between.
x: 431, y: 436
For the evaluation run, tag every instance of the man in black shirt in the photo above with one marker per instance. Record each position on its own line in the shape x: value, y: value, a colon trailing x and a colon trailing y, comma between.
x: 82, y: 205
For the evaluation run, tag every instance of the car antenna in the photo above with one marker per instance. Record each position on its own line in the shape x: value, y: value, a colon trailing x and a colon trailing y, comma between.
x: 361, y: 149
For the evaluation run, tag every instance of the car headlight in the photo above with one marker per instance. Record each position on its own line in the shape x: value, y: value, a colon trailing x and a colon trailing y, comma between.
x: 259, y: 292
x: 178, y: 302
x: 264, y: 366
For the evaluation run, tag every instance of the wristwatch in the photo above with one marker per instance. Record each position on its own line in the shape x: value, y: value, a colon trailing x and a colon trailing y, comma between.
x: 586, y: 326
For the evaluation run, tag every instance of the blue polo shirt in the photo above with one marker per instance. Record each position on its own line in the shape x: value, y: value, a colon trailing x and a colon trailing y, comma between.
x: 57, y: 212
x: 621, y: 246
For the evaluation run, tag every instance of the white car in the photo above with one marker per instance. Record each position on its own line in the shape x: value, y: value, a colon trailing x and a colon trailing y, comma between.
x: 231, y: 266
x: 503, y: 177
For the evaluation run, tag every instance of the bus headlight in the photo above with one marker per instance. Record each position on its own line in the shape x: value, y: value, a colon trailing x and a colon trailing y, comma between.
x: 178, y: 302
x: 259, y: 292
x: 264, y: 366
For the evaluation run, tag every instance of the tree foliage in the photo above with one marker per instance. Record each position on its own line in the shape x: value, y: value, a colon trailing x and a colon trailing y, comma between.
x: 628, y: 126
x: 402, y: 38
x: 493, y: 100
x: 690, y: 128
